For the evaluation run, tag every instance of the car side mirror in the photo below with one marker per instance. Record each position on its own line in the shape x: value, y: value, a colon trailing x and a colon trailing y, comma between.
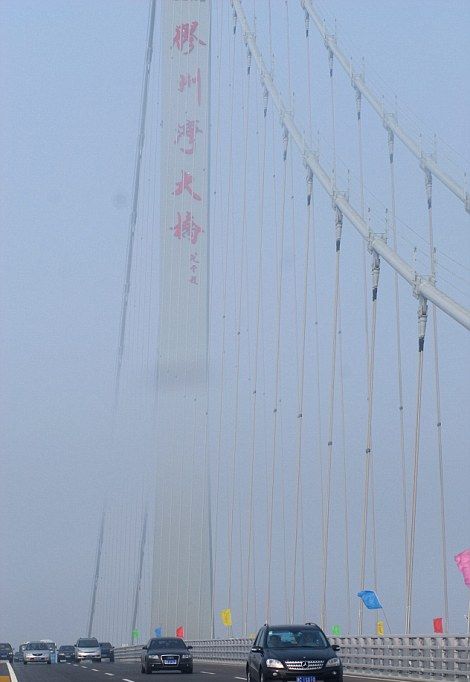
x: 257, y: 649
x: 189, y: 647
x: 144, y: 647
x: 336, y: 647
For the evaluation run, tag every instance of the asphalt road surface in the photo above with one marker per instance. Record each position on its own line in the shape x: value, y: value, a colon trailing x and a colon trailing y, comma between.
x: 130, y: 672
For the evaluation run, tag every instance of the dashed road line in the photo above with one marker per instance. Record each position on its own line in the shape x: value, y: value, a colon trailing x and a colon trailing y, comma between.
x: 206, y: 672
x: 124, y: 679
x: 83, y: 666
x: 110, y: 674
x: 75, y: 665
x: 239, y: 678
x: 95, y: 670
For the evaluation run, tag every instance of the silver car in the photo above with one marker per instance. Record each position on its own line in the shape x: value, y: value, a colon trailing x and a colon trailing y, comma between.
x: 36, y: 652
x: 87, y: 649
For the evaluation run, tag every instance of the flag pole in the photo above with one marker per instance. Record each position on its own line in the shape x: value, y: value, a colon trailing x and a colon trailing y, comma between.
x: 386, y: 620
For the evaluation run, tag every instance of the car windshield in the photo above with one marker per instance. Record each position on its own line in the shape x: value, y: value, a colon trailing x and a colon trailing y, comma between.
x: 5, y: 645
x: 288, y: 638
x: 88, y: 642
x: 105, y: 644
x: 37, y: 646
x: 66, y: 647
x: 167, y: 643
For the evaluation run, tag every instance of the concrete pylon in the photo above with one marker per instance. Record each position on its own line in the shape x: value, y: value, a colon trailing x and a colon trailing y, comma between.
x: 181, y: 583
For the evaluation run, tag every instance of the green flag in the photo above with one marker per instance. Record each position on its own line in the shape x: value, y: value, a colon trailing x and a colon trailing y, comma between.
x: 135, y: 634
x: 336, y: 631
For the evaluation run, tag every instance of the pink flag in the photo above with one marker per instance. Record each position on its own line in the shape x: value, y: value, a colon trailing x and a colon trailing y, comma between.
x: 463, y: 562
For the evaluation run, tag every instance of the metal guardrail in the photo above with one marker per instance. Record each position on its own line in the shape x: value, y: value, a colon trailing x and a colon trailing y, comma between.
x: 445, y: 657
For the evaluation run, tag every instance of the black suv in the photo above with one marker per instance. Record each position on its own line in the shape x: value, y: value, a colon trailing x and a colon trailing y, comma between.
x: 107, y: 651
x: 166, y: 653
x: 293, y: 652
x: 6, y: 652
x: 66, y: 652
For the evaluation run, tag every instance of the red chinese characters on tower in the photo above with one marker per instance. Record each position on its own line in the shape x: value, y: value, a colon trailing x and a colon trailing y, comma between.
x: 187, y: 81
x: 185, y: 37
x: 187, y: 228
x: 188, y: 131
x: 185, y: 185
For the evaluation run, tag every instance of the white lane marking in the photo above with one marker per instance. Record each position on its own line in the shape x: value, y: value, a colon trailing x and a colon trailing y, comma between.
x: 239, y: 678
x: 110, y: 674
x: 75, y: 665
x: 95, y: 670
x: 83, y: 666
x: 11, y: 672
x: 124, y: 679
x: 206, y: 672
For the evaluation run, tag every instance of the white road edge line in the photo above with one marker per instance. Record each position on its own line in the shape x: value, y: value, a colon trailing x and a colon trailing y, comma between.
x: 11, y: 672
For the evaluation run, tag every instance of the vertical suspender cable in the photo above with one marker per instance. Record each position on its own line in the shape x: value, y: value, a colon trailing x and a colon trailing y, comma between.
x: 238, y: 314
x: 345, y: 474
x: 334, y: 335
x: 428, y: 186
x: 133, y: 218
x: 319, y: 443
x: 301, y: 396
x: 422, y: 317
x: 255, y: 374
x: 368, y: 482
x: 399, y: 361
x: 277, y: 380
x: 224, y: 297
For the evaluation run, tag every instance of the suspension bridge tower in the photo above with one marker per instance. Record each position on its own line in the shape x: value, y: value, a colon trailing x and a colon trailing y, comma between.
x: 181, y: 582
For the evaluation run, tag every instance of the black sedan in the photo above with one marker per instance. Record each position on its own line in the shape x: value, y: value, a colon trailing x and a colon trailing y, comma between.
x: 293, y: 652
x: 166, y: 653
x: 6, y: 652
x: 66, y: 652
x: 107, y: 651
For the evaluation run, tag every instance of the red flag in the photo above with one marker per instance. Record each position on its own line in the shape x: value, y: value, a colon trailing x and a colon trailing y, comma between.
x: 180, y: 631
x: 437, y: 622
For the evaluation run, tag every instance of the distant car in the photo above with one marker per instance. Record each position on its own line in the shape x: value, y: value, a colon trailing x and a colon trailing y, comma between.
x: 66, y: 652
x: 293, y: 652
x: 37, y: 652
x: 6, y: 652
x: 87, y: 649
x: 166, y: 653
x: 107, y: 651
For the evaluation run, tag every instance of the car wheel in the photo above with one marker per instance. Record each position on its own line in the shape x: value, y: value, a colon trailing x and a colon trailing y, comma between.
x: 148, y: 669
x: 111, y: 660
x: 262, y: 677
x: 49, y: 662
x: 25, y: 662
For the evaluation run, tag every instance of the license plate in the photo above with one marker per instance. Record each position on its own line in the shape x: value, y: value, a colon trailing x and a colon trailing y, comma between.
x: 170, y: 661
x: 303, y: 678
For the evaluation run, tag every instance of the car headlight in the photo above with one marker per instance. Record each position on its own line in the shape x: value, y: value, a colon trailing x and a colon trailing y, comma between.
x: 274, y: 663
x: 156, y: 657
x: 333, y: 662
x: 186, y: 656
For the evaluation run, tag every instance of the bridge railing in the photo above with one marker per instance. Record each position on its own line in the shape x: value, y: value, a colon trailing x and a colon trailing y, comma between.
x: 418, y: 657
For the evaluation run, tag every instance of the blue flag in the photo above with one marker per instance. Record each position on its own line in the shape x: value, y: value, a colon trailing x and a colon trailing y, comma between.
x: 370, y: 599
x: 158, y: 632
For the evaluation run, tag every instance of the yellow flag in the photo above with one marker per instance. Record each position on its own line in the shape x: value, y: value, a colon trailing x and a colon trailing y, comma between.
x: 380, y: 628
x: 226, y: 617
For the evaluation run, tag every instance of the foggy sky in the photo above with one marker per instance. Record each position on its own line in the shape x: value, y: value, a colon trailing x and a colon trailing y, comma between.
x: 71, y: 78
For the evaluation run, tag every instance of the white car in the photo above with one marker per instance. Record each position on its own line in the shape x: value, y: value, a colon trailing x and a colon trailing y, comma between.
x: 36, y: 652
x: 87, y: 649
